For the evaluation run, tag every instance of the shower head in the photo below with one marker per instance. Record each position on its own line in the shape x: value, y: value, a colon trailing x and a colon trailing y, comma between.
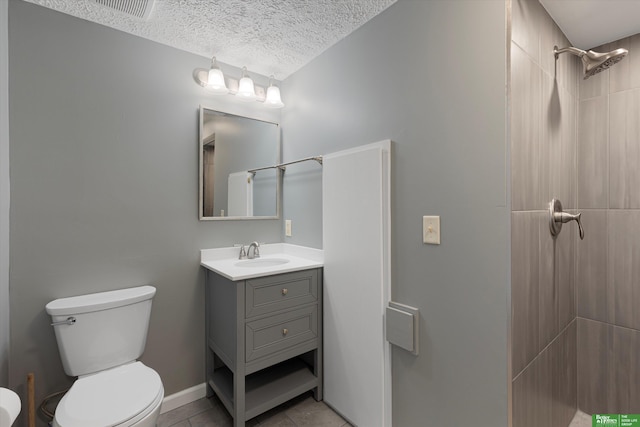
x: 593, y: 62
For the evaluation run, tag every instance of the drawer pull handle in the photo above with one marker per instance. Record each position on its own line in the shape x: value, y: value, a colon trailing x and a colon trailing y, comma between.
x: 285, y: 331
x: 285, y: 291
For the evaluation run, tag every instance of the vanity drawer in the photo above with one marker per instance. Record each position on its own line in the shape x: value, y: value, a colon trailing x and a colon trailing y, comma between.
x: 269, y: 294
x: 276, y: 333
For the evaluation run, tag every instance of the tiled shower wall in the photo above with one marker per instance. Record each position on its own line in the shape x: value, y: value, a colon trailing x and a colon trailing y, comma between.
x: 544, y: 103
x: 608, y: 260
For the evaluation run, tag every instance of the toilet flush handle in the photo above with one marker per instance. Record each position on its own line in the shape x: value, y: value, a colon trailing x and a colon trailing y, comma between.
x: 70, y: 321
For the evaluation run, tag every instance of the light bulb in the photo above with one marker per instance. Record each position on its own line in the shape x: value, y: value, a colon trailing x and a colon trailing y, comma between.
x: 215, y: 82
x: 246, y: 90
x: 273, y: 99
x: 215, y: 79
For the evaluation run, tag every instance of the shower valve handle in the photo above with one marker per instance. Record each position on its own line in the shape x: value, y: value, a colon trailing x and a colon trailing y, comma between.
x: 557, y: 217
x: 566, y: 217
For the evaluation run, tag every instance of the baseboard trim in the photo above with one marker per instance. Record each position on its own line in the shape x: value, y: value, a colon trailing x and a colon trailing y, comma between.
x: 183, y: 397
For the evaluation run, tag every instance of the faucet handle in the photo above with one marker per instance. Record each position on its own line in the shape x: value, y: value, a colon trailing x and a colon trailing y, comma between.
x: 243, y: 252
x: 576, y: 218
x: 557, y: 217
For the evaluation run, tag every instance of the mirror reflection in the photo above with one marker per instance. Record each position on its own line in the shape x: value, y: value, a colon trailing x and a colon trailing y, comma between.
x: 233, y: 149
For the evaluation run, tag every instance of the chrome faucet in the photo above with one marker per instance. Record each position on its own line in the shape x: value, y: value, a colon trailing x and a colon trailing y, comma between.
x: 256, y: 250
x: 557, y: 217
x: 243, y: 252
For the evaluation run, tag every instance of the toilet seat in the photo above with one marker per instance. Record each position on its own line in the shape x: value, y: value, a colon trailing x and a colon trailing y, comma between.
x: 119, y: 396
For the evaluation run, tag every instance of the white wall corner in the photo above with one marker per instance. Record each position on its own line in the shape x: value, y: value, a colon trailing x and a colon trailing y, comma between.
x: 4, y: 193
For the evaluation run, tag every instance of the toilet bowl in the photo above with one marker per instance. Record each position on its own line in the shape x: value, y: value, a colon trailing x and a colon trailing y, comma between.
x: 128, y: 395
x: 100, y: 337
x: 9, y: 407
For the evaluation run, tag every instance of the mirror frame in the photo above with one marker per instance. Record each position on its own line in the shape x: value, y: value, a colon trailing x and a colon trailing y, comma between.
x: 201, y: 169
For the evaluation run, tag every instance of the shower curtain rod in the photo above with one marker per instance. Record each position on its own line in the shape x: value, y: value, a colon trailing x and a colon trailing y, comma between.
x: 282, y: 165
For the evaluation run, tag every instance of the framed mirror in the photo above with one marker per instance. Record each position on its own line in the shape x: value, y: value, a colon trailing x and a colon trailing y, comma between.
x: 238, y: 179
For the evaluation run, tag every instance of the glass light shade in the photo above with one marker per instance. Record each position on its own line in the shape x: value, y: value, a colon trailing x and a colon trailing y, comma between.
x: 246, y: 91
x: 273, y: 99
x: 215, y: 81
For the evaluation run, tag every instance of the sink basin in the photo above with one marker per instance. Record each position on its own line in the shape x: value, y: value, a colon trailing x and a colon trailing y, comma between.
x: 261, y: 262
x: 277, y: 258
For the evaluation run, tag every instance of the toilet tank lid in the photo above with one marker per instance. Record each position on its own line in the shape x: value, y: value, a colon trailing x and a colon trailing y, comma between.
x: 99, y: 301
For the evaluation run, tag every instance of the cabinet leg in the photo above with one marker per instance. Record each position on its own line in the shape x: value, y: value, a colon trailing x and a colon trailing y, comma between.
x: 210, y: 392
x: 238, y: 400
x: 317, y: 371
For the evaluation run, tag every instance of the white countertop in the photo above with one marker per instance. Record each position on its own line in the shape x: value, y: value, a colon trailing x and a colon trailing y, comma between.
x: 225, y: 262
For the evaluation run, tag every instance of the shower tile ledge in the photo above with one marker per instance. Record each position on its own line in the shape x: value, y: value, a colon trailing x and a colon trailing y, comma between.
x: 581, y: 420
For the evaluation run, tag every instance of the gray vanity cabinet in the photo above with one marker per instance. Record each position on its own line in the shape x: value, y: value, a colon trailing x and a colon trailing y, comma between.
x: 264, y: 340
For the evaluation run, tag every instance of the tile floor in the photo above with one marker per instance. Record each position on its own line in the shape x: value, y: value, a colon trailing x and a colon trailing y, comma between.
x: 298, y: 412
x: 302, y: 411
x: 581, y: 420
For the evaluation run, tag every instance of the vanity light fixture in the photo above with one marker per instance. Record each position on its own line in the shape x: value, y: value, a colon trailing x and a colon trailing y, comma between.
x: 215, y: 79
x: 273, y: 99
x: 246, y: 90
x: 212, y: 79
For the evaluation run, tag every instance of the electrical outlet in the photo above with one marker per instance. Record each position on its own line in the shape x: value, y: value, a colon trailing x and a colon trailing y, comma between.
x: 287, y: 228
x: 431, y: 230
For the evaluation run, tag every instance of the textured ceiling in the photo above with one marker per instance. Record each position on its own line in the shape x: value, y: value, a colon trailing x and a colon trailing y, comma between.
x: 267, y: 36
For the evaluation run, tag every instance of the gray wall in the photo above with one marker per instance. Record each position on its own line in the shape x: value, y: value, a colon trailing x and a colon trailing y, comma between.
x: 104, y: 186
x: 104, y: 160
x: 543, y: 165
x: 4, y: 196
x: 609, y: 259
x: 430, y: 75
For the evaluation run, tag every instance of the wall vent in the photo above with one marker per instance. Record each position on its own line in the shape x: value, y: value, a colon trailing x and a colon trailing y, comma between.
x: 137, y: 8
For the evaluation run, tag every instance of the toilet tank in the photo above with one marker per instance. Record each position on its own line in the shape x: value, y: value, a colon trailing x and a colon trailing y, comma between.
x: 110, y: 328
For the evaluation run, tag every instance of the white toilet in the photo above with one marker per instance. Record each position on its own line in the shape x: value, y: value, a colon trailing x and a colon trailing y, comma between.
x: 100, y: 336
x: 9, y: 407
